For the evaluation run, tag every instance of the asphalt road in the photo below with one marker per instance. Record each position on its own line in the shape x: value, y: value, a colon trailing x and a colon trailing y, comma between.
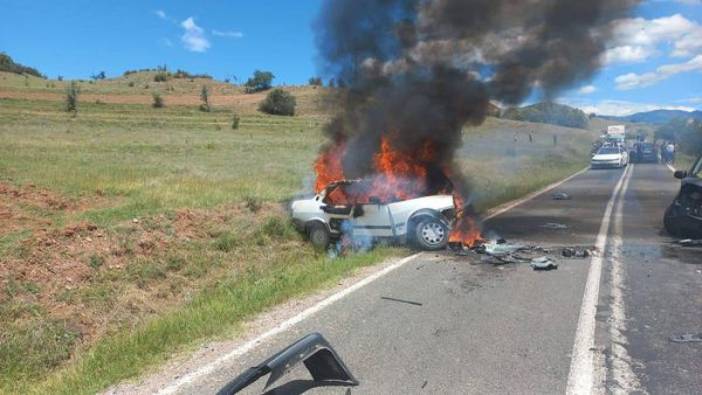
x: 479, y: 328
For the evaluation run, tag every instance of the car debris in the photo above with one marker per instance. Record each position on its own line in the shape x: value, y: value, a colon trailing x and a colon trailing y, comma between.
x: 554, y: 225
x: 689, y: 242
x: 320, y: 359
x: 543, y: 263
x: 574, y: 252
x: 560, y: 196
x: 401, y: 301
x: 687, y: 338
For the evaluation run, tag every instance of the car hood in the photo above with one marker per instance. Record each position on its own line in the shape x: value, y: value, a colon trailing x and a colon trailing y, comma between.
x: 434, y: 202
x: 607, y: 157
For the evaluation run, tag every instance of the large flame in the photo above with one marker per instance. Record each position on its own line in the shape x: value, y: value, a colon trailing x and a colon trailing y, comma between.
x: 397, y: 175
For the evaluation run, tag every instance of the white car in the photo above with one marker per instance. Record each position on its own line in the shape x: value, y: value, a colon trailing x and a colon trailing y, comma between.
x: 610, y: 156
x: 424, y: 221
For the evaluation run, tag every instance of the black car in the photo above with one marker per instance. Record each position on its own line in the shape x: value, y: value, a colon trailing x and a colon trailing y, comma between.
x: 644, y: 153
x: 684, y: 217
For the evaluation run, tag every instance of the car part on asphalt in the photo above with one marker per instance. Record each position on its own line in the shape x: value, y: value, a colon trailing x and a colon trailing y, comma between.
x: 560, y: 196
x: 574, y: 252
x: 689, y: 243
x: 401, y: 301
x: 554, y: 226
x: 687, y: 338
x: 320, y: 359
x: 543, y: 263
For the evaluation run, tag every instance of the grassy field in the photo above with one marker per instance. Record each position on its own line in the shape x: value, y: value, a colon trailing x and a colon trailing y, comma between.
x: 129, y: 233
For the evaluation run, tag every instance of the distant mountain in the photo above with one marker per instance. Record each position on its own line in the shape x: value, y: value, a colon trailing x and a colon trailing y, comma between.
x: 658, y: 117
x: 556, y: 114
x: 7, y: 64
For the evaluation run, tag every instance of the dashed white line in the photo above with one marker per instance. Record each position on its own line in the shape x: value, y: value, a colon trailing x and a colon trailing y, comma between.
x: 581, y: 376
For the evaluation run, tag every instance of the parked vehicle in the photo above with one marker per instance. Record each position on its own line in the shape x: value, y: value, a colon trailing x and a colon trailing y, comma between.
x: 424, y: 222
x: 644, y: 153
x: 684, y: 216
x: 610, y: 156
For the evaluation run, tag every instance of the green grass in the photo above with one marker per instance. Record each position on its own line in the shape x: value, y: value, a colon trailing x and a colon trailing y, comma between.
x: 127, y: 161
x: 213, y: 313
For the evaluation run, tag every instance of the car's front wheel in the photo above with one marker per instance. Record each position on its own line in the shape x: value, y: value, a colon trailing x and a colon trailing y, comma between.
x: 319, y: 235
x: 431, y: 234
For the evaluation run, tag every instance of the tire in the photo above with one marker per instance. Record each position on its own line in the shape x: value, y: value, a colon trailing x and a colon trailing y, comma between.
x: 431, y: 234
x: 319, y: 235
x: 671, y: 222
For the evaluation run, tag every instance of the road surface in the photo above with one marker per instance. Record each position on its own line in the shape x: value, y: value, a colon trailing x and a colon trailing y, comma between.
x: 594, y: 325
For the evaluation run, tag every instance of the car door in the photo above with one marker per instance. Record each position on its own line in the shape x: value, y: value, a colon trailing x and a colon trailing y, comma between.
x: 373, y: 220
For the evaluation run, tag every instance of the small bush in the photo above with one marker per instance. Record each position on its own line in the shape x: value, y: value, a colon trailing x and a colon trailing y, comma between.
x: 158, y: 101
x: 130, y: 84
x: 72, y: 93
x: 227, y: 242
x: 252, y: 203
x: 235, y: 121
x: 279, y: 102
x: 205, y: 97
x: 315, y: 81
x: 161, y: 76
x: 96, y: 261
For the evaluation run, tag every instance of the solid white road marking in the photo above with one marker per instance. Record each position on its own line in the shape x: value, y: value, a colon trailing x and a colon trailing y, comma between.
x: 671, y: 167
x: 622, y: 372
x: 582, y: 364
x: 282, y: 327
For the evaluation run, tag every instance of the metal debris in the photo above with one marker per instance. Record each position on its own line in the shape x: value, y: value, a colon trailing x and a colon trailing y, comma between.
x: 574, y: 252
x: 690, y: 243
x: 401, y: 301
x: 560, y: 196
x: 687, y: 338
x: 555, y: 226
x: 543, y: 263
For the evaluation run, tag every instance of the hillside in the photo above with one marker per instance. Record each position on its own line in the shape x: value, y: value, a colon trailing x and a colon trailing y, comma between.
x: 550, y: 113
x: 9, y: 65
x: 658, y: 117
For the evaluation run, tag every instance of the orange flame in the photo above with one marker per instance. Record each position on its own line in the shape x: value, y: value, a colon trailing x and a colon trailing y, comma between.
x: 399, y: 175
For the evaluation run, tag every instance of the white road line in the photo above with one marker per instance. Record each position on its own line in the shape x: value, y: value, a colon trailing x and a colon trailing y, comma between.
x: 285, y: 325
x: 282, y: 327
x: 621, y: 363
x: 582, y: 364
x: 671, y: 167
x: 499, y: 210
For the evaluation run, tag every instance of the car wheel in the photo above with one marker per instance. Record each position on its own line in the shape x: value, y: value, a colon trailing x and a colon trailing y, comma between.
x: 671, y: 222
x: 431, y: 234
x: 319, y: 235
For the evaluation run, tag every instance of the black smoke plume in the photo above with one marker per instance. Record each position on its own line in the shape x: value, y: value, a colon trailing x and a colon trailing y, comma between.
x: 418, y: 70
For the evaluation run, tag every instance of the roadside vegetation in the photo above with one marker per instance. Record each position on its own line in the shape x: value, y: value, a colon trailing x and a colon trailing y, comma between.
x: 551, y: 113
x: 129, y: 233
x: 9, y: 65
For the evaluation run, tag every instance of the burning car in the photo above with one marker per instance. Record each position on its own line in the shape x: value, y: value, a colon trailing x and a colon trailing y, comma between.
x: 345, y: 208
x: 684, y: 217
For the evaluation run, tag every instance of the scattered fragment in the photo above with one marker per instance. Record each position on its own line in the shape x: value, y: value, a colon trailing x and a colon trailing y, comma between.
x: 543, y: 263
x: 553, y: 225
x: 401, y: 301
x: 572, y: 252
x: 560, y: 196
x: 687, y: 338
x: 690, y: 243
x: 500, y: 249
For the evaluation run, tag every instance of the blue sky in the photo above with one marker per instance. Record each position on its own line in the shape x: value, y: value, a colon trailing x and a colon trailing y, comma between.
x: 654, y: 60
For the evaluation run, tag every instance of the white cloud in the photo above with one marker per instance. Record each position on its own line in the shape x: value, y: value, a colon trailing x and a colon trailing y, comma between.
x: 194, y: 37
x: 621, y: 108
x: 586, y: 90
x: 161, y: 14
x: 633, y: 80
x: 227, y: 33
x: 637, y: 39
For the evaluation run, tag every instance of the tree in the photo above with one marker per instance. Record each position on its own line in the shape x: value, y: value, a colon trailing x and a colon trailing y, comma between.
x: 99, y: 76
x: 315, y: 81
x: 278, y: 102
x: 260, y: 81
x: 72, y: 93
x: 205, y: 97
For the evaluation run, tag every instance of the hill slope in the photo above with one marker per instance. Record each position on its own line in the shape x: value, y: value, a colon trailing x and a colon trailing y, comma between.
x: 659, y: 117
x: 9, y: 65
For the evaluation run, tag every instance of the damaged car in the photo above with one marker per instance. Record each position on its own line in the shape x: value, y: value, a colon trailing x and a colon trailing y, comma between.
x: 343, y: 209
x: 684, y: 216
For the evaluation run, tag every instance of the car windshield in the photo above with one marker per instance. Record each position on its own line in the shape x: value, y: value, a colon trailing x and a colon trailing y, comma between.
x: 608, y: 151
